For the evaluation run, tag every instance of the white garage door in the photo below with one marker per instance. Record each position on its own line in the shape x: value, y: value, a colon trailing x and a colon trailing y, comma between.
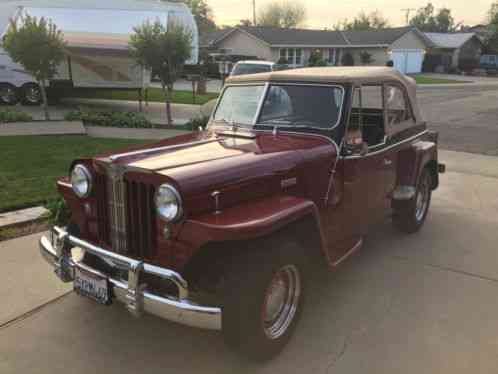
x: 408, y: 61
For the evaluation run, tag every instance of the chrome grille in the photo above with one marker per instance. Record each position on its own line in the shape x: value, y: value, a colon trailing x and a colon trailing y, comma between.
x: 126, y: 214
x: 117, y: 213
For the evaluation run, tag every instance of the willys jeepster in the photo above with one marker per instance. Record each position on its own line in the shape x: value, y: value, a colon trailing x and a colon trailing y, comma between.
x: 218, y: 229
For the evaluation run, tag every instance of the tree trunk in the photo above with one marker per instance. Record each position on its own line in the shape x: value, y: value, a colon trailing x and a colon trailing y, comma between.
x: 168, y: 105
x: 41, y: 83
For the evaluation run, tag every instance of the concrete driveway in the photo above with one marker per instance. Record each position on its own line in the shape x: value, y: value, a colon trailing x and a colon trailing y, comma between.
x: 424, y: 303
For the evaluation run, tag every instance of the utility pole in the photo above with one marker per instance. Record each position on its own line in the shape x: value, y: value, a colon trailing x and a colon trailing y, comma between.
x: 254, y: 12
x: 407, y: 14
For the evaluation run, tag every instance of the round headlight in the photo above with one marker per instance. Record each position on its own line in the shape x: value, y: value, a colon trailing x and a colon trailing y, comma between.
x: 168, y: 203
x: 81, y: 179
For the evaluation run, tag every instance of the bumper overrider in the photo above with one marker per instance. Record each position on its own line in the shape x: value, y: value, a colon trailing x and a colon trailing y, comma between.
x: 56, y: 250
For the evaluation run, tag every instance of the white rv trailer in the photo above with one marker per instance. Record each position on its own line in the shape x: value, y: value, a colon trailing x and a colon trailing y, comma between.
x: 97, y: 35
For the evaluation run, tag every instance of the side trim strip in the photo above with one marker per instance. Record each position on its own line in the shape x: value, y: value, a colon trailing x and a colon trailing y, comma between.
x: 388, y: 147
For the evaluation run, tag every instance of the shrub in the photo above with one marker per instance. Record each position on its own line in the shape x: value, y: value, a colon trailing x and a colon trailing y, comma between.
x: 366, y: 58
x: 110, y: 119
x: 195, y: 123
x: 14, y: 116
x: 59, y: 213
x: 347, y: 59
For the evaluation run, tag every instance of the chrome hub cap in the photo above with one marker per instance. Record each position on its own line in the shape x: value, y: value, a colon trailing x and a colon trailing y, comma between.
x: 7, y: 94
x: 281, y: 301
x: 422, y: 201
x: 32, y: 94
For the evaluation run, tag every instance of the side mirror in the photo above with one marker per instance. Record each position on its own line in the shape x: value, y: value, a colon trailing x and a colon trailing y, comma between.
x: 356, y: 149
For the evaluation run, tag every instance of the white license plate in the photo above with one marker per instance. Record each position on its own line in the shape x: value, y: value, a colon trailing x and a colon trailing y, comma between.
x: 92, y: 286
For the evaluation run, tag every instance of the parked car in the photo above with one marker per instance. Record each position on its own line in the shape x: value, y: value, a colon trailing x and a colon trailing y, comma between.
x: 489, y: 63
x: 255, y: 67
x: 221, y: 229
x: 16, y: 84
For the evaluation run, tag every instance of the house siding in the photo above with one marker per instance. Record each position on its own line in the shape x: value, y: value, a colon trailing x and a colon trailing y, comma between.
x: 379, y: 55
x: 239, y: 43
x: 410, y: 40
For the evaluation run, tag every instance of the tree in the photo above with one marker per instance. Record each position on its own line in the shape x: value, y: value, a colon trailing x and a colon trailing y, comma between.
x: 38, y: 46
x: 364, y: 22
x: 491, y: 39
x: 428, y: 21
x: 245, y: 22
x: 286, y: 15
x: 203, y: 15
x: 164, y: 51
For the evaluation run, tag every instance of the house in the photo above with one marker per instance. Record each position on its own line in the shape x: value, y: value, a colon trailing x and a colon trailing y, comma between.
x: 451, y: 52
x: 405, y: 46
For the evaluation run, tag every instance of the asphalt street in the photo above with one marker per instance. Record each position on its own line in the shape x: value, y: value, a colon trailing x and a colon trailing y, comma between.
x: 466, y: 117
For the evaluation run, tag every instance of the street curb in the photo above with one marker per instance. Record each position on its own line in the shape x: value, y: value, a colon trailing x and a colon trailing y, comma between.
x: 22, y: 217
x: 34, y: 128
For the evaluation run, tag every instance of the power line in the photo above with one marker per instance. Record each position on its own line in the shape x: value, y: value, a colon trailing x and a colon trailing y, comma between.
x: 407, y: 14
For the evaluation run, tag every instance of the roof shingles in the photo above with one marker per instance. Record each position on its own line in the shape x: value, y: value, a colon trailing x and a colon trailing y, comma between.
x: 276, y: 37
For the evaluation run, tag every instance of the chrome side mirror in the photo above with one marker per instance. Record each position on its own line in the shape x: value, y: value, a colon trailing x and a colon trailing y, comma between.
x: 360, y: 149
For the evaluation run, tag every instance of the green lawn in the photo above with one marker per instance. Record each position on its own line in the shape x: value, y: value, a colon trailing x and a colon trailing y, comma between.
x: 420, y: 79
x: 30, y: 165
x: 155, y: 95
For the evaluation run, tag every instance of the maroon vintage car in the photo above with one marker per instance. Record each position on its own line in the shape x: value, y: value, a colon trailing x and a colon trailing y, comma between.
x: 219, y: 229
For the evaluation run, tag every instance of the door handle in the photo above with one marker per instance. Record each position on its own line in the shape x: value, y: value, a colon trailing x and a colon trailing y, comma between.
x: 387, y: 162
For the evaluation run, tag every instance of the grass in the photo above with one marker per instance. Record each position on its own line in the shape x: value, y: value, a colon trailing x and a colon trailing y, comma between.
x: 31, y: 164
x: 420, y: 79
x: 154, y: 95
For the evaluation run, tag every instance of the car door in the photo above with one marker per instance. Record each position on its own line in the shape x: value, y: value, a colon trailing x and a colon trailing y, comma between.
x: 357, y: 197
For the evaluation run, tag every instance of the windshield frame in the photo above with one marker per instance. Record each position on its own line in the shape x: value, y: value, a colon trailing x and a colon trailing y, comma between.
x: 267, y: 85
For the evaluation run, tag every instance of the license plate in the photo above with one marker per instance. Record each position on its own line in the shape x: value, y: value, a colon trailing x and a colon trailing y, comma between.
x: 91, y: 286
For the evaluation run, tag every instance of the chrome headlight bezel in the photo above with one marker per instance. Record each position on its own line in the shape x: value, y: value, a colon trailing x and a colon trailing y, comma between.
x: 167, y: 195
x: 85, y: 173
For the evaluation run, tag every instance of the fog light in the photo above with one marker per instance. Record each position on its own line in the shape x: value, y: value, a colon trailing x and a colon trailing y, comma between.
x: 167, y: 232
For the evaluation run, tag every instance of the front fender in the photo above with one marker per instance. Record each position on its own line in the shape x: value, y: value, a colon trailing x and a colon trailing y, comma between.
x: 247, y: 221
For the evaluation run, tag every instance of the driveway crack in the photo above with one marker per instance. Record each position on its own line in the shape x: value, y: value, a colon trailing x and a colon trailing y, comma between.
x: 446, y: 268
x: 32, y: 312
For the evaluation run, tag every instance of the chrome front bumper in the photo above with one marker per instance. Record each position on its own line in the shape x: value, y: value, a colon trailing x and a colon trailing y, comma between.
x: 56, y: 250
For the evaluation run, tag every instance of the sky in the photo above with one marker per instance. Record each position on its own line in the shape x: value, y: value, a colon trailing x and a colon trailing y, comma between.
x: 326, y: 13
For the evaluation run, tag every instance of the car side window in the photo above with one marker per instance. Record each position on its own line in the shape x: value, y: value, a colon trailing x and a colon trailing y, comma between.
x: 367, y: 116
x: 398, y: 111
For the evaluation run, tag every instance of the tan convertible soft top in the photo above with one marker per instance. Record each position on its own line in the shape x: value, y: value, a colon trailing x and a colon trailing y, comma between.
x: 356, y: 75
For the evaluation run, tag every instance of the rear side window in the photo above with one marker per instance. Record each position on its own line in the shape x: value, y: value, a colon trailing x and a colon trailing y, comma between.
x: 398, y: 111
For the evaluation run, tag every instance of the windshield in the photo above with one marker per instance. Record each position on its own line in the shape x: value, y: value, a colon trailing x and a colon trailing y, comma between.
x: 284, y: 105
x: 241, y: 69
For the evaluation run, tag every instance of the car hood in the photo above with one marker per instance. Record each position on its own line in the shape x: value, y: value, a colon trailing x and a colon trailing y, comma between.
x: 239, y: 166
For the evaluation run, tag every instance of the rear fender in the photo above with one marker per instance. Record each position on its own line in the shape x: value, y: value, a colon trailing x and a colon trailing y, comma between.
x: 411, y: 163
x: 247, y: 221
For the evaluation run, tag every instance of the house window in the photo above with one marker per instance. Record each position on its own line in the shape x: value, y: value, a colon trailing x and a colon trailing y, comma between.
x: 292, y: 56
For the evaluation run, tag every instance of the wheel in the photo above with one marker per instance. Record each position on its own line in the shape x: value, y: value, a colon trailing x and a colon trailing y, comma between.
x: 31, y: 94
x: 8, y: 94
x: 409, y: 216
x: 263, y: 298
